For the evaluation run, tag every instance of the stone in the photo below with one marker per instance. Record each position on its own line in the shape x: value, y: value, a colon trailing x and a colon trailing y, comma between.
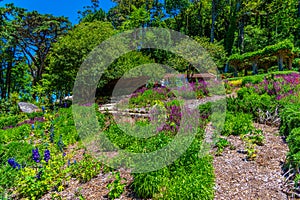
x: 28, y: 107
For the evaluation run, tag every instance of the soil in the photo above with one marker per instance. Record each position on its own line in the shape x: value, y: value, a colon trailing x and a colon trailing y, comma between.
x: 262, y: 178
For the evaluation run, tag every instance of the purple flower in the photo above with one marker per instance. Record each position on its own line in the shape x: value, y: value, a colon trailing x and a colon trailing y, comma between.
x: 13, y: 163
x: 47, y: 155
x: 36, y: 155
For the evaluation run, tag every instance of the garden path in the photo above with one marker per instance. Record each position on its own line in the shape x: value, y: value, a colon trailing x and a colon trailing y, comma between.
x: 237, y: 178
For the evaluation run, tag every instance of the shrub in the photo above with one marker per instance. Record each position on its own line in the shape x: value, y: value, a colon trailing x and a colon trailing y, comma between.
x: 237, y: 124
x: 293, y: 141
x: 252, y: 79
x: 250, y: 102
x: 290, y: 118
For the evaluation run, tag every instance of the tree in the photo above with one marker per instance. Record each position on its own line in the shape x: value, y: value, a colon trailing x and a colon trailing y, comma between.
x: 71, y: 50
x: 121, y: 12
x: 35, y: 35
x: 10, y: 53
x: 215, y: 9
x: 92, y: 13
x: 138, y: 18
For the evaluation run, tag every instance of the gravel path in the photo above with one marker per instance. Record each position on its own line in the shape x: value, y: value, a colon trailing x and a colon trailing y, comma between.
x: 262, y: 178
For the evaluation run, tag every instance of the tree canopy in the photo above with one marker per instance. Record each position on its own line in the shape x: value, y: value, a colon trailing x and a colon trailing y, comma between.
x: 44, y: 51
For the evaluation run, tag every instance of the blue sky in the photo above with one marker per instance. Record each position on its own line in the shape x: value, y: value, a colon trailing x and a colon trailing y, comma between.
x: 67, y: 8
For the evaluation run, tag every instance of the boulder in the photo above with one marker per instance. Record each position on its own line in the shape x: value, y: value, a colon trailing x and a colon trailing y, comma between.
x: 28, y: 107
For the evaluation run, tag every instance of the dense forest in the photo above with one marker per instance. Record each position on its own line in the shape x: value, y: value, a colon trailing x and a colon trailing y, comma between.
x: 41, y: 53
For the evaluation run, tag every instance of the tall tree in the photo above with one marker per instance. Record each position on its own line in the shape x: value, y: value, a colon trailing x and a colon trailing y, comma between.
x: 35, y: 34
x: 10, y: 54
x: 121, y: 12
x: 70, y: 51
x: 92, y: 13
x: 214, y: 14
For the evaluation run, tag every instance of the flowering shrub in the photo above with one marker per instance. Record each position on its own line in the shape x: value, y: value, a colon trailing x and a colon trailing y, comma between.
x: 280, y: 86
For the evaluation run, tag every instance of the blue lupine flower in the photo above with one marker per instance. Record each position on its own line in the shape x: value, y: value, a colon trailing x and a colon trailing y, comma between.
x: 36, y: 155
x: 47, y: 155
x: 43, y: 109
x: 32, y: 126
x: 75, y: 162
x: 13, y: 163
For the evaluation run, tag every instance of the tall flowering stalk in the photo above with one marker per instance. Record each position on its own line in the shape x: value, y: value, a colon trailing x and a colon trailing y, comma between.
x: 14, y: 164
x: 36, y: 155
x: 47, y: 155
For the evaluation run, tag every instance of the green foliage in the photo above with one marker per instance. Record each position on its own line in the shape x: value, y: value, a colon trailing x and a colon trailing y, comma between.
x: 51, y: 176
x: 255, y: 137
x: 215, y: 50
x: 21, y: 151
x: 250, y: 102
x: 237, y: 124
x: 137, y: 18
x: 293, y: 141
x: 252, y: 79
x: 70, y: 51
x: 255, y: 38
x: 10, y: 120
x: 190, y: 177
x: 15, y: 134
x: 290, y: 118
x: 149, y: 97
x: 86, y: 169
x: 116, y: 188
x: 221, y: 144
x: 267, y: 51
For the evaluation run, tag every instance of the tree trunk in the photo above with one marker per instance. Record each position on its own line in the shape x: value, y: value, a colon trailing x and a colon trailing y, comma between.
x: 8, y: 79
x: 299, y: 8
x: 280, y: 62
x: 290, y: 63
x: 201, y: 19
x: 213, y: 20
x: 229, y: 38
x: 241, y: 34
x: 254, y: 67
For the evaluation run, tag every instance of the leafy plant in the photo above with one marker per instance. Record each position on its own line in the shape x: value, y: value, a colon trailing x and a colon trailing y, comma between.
x: 221, y: 144
x: 86, y: 169
x: 237, y: 124
x: 116, y: 188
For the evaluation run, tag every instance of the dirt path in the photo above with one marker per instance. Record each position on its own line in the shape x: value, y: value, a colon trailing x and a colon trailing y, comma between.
x: 237, y: 178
